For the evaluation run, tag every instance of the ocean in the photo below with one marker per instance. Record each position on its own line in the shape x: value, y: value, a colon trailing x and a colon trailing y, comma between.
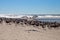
x: 49, y: 18
x: 40, y: 17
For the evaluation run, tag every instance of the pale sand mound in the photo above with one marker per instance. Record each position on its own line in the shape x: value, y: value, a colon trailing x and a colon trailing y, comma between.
x: 12, y: 32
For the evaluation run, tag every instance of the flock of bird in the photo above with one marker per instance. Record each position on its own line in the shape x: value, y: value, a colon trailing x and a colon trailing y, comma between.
x: 29, y: 22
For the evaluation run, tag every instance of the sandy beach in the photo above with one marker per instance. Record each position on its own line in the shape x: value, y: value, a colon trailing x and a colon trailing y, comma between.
x: 27, y: 32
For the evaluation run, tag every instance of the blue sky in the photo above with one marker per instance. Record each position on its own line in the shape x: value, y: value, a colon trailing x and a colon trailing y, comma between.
x: 29, y: 6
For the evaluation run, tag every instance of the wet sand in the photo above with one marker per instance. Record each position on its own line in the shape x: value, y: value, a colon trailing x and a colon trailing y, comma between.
x: 27, y: 32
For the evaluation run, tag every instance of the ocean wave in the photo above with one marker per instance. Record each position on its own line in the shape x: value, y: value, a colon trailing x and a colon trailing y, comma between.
x: 48, y: 16
x: 19, y: 16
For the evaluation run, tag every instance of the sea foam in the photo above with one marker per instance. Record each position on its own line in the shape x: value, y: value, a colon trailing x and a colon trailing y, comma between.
x: 19, y: 16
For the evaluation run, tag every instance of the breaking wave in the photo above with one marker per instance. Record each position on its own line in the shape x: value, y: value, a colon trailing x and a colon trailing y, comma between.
x: 19, y: 16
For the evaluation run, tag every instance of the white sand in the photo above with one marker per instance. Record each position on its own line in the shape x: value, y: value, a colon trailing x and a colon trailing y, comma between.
x: 12, y: 32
